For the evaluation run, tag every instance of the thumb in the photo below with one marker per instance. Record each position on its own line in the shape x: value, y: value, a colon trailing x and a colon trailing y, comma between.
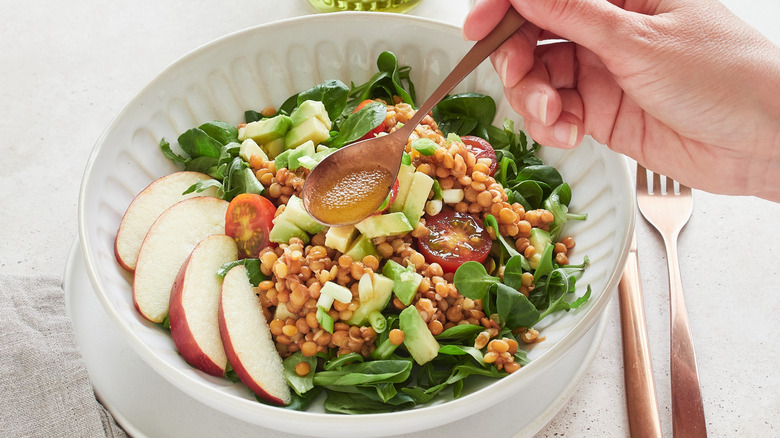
x: 590, y: 23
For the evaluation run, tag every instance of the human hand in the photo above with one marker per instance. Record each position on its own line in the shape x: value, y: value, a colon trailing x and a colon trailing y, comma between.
x: 684, y: 87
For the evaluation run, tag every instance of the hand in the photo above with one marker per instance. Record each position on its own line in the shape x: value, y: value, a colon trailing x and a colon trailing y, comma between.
x: 682, y: 86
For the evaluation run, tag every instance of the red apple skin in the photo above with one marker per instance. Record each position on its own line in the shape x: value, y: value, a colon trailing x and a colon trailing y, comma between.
x: 233, y: 356
x: 170, y: 240
x: 188, y: 282
x: 147, y: 204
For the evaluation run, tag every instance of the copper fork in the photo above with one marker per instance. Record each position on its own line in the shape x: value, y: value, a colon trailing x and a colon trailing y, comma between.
x: 668, y: 208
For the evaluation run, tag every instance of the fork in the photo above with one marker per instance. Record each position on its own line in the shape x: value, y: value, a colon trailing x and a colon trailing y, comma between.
x: 668, y: 210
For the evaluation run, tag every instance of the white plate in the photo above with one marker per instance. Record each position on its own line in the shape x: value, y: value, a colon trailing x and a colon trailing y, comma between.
x: 144, y: 404
x: 264, y: 65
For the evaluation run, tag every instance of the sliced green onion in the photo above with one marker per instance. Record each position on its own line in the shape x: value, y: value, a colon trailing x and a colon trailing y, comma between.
x: 425, y: 146
x: 377, y: 321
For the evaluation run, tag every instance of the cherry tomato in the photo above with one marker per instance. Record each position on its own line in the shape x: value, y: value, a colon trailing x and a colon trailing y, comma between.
x: 389, y: 200
x: 481, y: 148
x: 372, y: 133
x: 453, y: 239
x: 248, y: 221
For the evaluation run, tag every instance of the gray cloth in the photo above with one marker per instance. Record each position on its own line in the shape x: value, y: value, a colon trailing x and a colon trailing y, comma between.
x: 44, y: 386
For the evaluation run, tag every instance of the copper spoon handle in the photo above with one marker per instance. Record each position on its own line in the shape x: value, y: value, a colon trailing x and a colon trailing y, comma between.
x: 643, y: 416
x: 508, y: 25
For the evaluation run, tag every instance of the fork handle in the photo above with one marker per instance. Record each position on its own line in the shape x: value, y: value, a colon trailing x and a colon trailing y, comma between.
x: 687, y: 408
x: 641, y: 402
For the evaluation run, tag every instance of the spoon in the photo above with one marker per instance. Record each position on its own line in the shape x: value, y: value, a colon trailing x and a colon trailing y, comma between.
x: 351, y: 183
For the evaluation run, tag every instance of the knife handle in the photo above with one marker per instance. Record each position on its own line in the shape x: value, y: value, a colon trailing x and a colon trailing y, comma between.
x: 643, y: 416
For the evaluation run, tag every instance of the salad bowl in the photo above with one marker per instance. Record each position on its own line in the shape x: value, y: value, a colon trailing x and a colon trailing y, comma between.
x: 262, y: 66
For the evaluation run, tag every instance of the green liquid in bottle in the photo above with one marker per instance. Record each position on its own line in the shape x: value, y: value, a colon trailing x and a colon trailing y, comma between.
x: 365, y: 5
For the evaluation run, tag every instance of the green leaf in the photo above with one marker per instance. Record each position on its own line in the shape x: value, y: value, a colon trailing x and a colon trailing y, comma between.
x: 391, y: 370
x: 465, y: 114
x: 460, y: 332
x: 333, y: 94
x: 513, y: 271
x: 472, y: 280
x: 391, y: 80
x: 222, y: 132
x: 197, y: 143
x: 359, y: 124
x: 165, y: 147
x: 514, y: 308
x: 460, y: 350
x: 252, y: 267
x: 299, y: 384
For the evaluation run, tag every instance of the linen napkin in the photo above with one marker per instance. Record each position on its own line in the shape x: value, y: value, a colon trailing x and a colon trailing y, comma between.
x: 44, y: 386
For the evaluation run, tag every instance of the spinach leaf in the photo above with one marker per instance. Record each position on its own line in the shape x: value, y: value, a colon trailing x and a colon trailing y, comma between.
x: 472, y: 280
x: 197, y: 143
x: 300, y: 384
x: 513, y: 271
x: 357, y: 403
x: 460, y: 332
x: 514, y: 308
x: 333, y: 94
x: 391, y: 80
x: 491, y: 221
x: 252, y: 266
x: 541, y: 173
x: 391, y: 370
x: 557, y: 203
x: 299, y: 402
x: 465, y: 114
x: 532, y: 192
x: 222, y: 132
x: 359, y: 124
x: 461, y: 350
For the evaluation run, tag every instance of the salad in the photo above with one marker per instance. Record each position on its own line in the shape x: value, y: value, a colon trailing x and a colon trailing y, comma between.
x: 443, y: 283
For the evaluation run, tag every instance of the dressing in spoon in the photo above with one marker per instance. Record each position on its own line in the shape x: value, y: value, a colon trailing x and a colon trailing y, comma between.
x: 352, y: 182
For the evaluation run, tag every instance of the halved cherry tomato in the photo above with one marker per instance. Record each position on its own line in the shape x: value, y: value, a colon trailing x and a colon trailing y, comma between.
x: 372, y: 133
x: 248, y: 221
x: 453, y: 239
x: 389, y: 200
x: 481, y: 148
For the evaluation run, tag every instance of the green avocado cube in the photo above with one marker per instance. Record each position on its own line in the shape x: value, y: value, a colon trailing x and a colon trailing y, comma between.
x: 390, y: 224
x: 404, y: 177
x: 414, y: 204
x: 361, y: 247
x: 311, y: 129
x: 265, y: 130
x: 284, y: 230
x: 418, y: 339
x: 304, y: 150
x: 297, y: 214
x: 309, y: 109
x: 340, y: 238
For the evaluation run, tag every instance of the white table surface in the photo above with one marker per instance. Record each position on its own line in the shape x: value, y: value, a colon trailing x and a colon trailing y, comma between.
x: 68, y: 67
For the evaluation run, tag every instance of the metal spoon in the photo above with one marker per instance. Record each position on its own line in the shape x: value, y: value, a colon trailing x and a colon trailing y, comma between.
x: 383, y: 154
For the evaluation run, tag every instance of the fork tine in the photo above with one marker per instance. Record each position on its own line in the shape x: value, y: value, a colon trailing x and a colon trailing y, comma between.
x: 656, y: 187
x: 641, y: 178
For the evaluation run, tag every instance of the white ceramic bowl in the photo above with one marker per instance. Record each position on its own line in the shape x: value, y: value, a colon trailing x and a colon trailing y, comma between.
x: 263, y: 66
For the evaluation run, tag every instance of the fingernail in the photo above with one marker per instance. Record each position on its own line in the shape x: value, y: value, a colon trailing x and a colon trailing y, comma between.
x: 566, y: 133
x: 537, y: 106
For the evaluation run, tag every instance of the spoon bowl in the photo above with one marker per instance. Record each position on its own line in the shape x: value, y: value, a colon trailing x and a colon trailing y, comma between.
x: 330, y: 194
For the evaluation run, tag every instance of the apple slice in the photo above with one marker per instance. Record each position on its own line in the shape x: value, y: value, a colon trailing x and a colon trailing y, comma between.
x: 194, y: 304
x: 247, y: 339
x: 169, y: 242
x: 147, y: 206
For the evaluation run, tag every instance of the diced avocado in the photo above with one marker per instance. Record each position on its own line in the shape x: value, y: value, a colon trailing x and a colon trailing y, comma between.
x: 281, y: 159
x: 361, y: 247
x: 310, y: 129
x: 405, y: 280
x: 297, y: 214
x: 539, y: 240
x: 274, y: 148
x: 377, y: 301
x: 390, y: 224
x: 265, y: 130
x: 340, y: 238
x: 304, y: 150
x: 414, y: 205
x: 250, y: 148
x: 285, y: 230
x: 404, y: 177
x: 308, y: 109
x: 418, y: 339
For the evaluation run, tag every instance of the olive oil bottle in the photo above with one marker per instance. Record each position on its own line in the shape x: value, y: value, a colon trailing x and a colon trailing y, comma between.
x: 365, y: 5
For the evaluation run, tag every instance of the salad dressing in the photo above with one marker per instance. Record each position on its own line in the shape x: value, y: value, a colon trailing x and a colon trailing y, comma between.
x: 352, y: 197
